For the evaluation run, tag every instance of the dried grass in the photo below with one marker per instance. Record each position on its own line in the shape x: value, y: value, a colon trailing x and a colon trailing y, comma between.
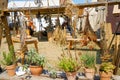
x: 59, y: 36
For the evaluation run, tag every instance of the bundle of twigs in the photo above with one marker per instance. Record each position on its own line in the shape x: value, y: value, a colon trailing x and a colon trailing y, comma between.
x: 59, y: 35
x: 71, y: 10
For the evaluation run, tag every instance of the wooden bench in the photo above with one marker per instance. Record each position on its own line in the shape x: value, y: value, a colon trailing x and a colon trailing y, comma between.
x: 31, y: 40
x: 71, y: 40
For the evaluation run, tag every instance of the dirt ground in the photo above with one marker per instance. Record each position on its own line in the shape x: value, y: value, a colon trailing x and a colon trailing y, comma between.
x: 51, y: 51
x: 46, y: 48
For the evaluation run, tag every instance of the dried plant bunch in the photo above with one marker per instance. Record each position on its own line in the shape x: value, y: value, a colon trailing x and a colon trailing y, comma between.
x: 106, y: 56
x: 71, y: 10
x: 59, y: 35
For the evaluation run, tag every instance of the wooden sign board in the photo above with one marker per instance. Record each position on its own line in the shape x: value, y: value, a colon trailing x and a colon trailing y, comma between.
x: 116, y: 9
x: 113, y: 19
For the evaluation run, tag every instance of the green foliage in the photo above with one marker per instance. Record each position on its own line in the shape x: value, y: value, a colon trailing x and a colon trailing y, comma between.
x: 8, y: 58
x: 69, y: 63
x: 34, y: 58
x: 88, y: 60
x: 107, y: 67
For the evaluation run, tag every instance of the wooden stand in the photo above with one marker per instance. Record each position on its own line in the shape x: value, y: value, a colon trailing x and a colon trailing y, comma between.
x: 4, y: 26
x: 27, y: 41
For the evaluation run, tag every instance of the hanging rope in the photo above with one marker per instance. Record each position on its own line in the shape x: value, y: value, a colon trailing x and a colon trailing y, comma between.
x: 106, y: 5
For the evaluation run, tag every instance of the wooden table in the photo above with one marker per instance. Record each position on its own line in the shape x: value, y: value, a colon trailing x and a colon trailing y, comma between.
x: 70, y: 41
x: 31, y: 40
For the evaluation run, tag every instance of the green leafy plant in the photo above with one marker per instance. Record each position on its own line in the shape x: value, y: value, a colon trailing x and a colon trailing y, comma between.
x: 88, y: 60
x: 69, y: 63
x: 107, y: 67
x: 8, y: 58
x: 34, y: 58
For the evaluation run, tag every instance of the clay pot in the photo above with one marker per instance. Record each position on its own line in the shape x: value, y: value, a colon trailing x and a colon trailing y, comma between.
x: 36, y: 70
x: 71, y: 75
x: 11, y: 70
x: 105, y: 76
x: 89, y: 73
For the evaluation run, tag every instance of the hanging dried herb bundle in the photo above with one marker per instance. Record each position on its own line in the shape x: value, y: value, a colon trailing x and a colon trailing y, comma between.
x: 106, y: 56
x: 59, y: 36
x: 71, y: 10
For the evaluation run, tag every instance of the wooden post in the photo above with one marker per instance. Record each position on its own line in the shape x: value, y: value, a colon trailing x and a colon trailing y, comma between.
x: 117, y: 60
x: 14, y: 22
x: 7, y: 31
x: 1, y: 30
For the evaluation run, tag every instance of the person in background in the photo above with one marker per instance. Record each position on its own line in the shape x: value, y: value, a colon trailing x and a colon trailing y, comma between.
x: 30, y: 27
x: 66, y: 24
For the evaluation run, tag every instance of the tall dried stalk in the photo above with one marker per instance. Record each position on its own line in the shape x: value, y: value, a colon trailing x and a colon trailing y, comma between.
x: 59, y: 36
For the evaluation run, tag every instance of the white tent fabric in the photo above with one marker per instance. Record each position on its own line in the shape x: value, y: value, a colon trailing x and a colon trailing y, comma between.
x: 96, y: 18
x: 29, y: 3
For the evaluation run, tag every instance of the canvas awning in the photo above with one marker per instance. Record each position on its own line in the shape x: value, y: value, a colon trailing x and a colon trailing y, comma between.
x: 59, y: 9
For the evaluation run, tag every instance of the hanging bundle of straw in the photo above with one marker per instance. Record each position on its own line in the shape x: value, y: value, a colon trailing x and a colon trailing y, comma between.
x: 71, y: 10
x: 59, y: 36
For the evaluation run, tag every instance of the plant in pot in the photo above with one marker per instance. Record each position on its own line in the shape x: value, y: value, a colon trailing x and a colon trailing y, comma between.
x: 89, y: 64
x: 9, y: 61
x: 35, y: 61
x: 69, y: 64
x: 106, y: 70
x: 52, y: 71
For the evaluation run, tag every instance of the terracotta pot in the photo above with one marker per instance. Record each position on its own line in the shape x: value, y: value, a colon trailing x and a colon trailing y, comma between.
x: 89, y: 73
x: 11, y: 70
x: 105, y: 76
x: 36, y: 70
x: 71, y: 75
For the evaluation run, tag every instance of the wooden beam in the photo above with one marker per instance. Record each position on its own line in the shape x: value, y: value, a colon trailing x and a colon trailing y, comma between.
x: 1, y: 30
x: 117, y: 61
x: 54, y: 10
x: 7, y: 31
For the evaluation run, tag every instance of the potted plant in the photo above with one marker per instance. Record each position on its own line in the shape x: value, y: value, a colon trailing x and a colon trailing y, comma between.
x: 69, y: 64
x: 9, y: 61
x: 89, y: 64
x: 106, y: 70
x: 35, y: 61
x: 52, y: 71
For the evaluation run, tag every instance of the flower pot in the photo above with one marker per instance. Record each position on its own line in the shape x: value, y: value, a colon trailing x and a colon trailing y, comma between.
x: 36, y: 70
x: 71, y: 75
x: 89, y: 73
x: 105, y: 76
x: 11, y: 70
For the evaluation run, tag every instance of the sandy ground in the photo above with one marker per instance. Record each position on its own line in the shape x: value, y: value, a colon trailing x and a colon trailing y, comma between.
x: 49, y: 50
x: 46, y: 48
